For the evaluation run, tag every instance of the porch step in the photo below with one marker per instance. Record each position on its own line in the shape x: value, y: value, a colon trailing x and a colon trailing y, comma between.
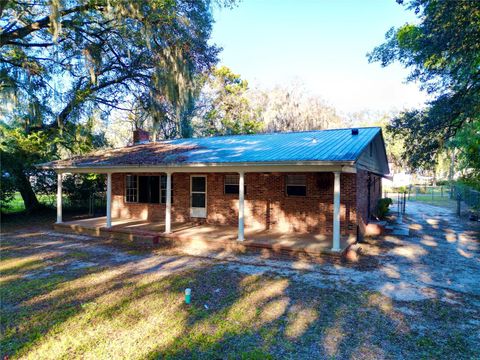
x: 139, y: 237
x: 191, y: 244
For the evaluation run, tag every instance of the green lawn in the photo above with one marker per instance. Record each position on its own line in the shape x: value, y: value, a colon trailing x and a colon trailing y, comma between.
x: 444, y: 201
x: 16, y: 205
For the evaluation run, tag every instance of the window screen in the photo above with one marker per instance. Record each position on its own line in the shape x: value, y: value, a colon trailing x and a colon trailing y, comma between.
x: 198, y: 200
x: 296, y: 185
x: 198, y: 183
x: 131, y: 188
x: 232, y: 184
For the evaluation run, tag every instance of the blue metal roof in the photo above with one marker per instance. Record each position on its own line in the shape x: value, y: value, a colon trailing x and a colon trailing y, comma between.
x: 319, y: 145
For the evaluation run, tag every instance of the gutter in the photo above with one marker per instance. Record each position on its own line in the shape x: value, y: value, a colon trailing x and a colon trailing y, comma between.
x: 45, y: 166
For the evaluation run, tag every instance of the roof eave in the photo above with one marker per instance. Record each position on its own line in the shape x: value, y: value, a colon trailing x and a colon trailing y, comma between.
x: 196, y: 166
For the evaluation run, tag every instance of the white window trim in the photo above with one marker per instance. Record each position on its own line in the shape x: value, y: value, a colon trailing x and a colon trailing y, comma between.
x: 225, y: 183
x: 193, y: 211
x: 287, y: 185
x: 127, y: 188
x: 138, y: 189
x: 160, y: 186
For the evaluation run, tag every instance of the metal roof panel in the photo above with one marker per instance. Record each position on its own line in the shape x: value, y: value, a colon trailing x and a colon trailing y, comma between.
x: 319, y: 145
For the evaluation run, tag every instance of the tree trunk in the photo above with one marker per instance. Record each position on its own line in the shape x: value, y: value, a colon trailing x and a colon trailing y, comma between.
x: 451, y: 172
x: 29, y: 198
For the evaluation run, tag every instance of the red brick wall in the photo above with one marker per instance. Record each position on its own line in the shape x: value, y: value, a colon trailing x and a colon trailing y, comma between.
x: 121, y: 209
x: 266, y: 203
x: 362, y: 195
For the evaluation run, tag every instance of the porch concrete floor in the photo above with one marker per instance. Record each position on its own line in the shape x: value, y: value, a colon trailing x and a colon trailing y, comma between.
x: 200, y: 234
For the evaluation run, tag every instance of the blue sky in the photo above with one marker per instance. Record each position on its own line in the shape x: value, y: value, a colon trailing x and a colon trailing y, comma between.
x: 321, y: 44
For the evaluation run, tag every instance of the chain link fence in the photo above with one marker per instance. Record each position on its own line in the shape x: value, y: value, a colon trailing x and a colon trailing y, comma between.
x: 468, y: 195
x: 461, y: 199
x: 94, y: 205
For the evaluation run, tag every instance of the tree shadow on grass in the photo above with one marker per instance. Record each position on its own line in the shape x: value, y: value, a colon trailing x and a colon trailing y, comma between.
x: 135, y: 309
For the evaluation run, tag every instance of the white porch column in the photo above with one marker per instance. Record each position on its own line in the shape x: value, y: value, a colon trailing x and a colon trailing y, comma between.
x: 241, y: 206
x: 59, y: 197
x: 336, y: 212
x: 168, y: 205
x: 109, y: 200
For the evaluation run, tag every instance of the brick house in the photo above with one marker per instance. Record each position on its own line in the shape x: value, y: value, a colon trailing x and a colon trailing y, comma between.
x: 315, y: 182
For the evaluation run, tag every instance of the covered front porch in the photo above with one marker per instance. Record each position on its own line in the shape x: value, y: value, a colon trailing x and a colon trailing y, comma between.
x: 196, y: 229
x: 200, y: 237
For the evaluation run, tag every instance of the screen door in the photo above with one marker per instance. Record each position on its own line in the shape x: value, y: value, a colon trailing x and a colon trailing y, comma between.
x: 198, y: 196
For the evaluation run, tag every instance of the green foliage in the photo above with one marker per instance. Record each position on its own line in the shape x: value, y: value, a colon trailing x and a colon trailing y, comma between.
x: 97, y: 55
x: 20, y: 150
x: 443, y: 52
x: 382, y: 207
x: 79, y: 187
x: 7, y: 190
x: 467, y: 142
x: 227, y: 109
x: 65, y: 65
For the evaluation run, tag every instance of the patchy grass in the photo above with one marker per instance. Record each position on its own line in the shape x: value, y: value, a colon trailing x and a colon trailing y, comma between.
x: 51, y: 309
x: 103, y: 313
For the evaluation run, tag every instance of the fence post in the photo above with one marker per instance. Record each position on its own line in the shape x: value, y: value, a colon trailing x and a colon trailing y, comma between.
x: 458, y: 204
x: 398, y: 204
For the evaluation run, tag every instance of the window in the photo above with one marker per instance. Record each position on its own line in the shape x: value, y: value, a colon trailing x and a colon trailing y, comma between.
x: 131, y: 189
x: 296, y: 185
x: 232, y: 184
x: 163, y: 189
x: 146, y: 189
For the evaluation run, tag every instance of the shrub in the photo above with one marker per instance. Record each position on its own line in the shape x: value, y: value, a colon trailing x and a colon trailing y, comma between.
x: 382, y: 207
x: 7, y: 190
x: 421, y: 190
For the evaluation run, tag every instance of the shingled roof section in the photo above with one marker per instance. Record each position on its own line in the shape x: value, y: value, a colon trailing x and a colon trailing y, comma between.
x: 321, y: 145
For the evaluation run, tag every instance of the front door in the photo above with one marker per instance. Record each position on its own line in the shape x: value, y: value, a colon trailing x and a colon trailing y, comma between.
x: 198, y: 196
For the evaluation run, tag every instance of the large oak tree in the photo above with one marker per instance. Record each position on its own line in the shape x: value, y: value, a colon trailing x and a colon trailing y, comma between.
x: 63, y: 61
x: 443, y: 52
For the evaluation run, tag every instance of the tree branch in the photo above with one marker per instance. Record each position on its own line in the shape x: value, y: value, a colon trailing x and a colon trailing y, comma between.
x: 30, y: 44
x: 22, y: 32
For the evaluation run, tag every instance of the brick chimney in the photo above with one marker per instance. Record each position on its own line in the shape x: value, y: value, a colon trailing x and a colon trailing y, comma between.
x: 140, y: 137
